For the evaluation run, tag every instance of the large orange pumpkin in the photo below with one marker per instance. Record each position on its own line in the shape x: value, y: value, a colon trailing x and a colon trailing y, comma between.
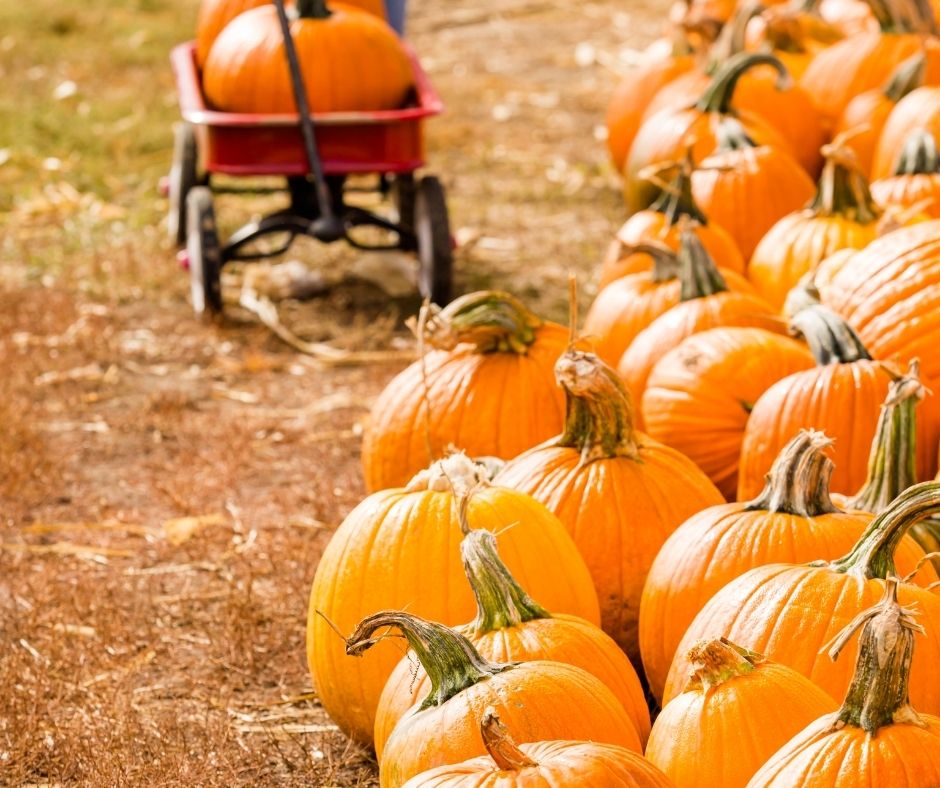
x: 792, y: 520
x: 699, y: 395
x: 843, y: 214
x: 790, y: 612
x: 889, y: 293
x: 512, y: 627
x: 736, y: 709
x: 350, y: 61
x: 705, y: 302
x: 918, y: 110
x: 876, y: 737
x: 401, y: 547
x: 561, y: 764
x: 618, y: 493
x: 540, y: 700
x: 487, y: 388
x: 915, y: 180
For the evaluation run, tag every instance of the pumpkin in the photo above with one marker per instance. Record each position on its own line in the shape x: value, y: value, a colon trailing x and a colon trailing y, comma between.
x: 876, y: 737
x: 366, y: 67
x: 510, y: 626
x: 915, y: 180
x: 400, y: 547
x: 841, y: 396
x: 562, y: 764
x: 212, y: 18
x: 618, y: 493
x: 660, y: 224
x: 889, y: 293
x: 540, y: 700
x: 705, y: 302
x: 842, y: 214
x: 734, y: 701
x: 668, y: 134
x: 793, y: 33
x: 487, y: 387
x: 789, y: 612
x: 866, y: 59
x: 699, y: 395
x: 749, y: 187
x: 864, y: 116
x: 918, y: 110
x: 792, y: 520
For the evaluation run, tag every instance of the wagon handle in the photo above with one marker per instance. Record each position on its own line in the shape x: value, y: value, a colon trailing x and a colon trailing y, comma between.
x: 328, y: 226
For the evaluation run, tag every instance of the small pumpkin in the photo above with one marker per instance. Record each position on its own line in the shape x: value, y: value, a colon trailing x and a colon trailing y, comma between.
x: 561, y: 764
x: 734, y: 701
x: 915, y: 180
x: 540, y: 700
x: 876, y: 737
x: 793, y: 519
x: 486, y: 387
x: 919, y: 110
x: 789, y: 612
x: 401, y: 547
x: 367, y: 67
x: 586, y: 475
x: 700, y: 394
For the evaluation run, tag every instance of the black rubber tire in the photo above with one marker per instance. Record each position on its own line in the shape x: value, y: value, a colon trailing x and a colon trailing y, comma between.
x: 183, y: 178
x: 403, y: 196
x: 204, y: 252
x: 435, y: 250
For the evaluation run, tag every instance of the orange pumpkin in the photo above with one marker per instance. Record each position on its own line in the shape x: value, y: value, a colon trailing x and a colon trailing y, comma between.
x: 793, y: 33
x: 790, y: 612
x: 734, y: 702
x: 562, y: 764
x: 876, y: 737
x: 841, y: 396
x: 749, y: 187
x: 915, y: 180
x: 918, y: 110
x: 705, y: 302
x: 792, y: 520
x: 699, y: 395
x: 212, y: 18
x: 366, y: 67
x: 401, y: 547
x: 487, y: 388
x: 587, y: 475
x: 843, y: 214
x: 443, y: 727
x: 512, y: 627
x: 889, y: 293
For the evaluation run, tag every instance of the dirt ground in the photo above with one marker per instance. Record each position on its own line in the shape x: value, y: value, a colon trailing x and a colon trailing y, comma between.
x: 167, y: 485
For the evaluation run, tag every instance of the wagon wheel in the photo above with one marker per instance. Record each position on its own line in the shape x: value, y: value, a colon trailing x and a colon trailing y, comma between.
x: 403, y: 196
x: 435, y: 251
x: 183, y: 177
x: 204, y: 252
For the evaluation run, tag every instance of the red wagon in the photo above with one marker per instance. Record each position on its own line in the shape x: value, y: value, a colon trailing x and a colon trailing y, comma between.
x: 315, y: 158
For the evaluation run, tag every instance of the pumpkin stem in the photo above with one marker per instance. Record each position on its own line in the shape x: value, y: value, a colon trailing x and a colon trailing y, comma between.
x: 879, y: 692
x: 903, y: 16
x: 456, y: 473
x: 675, y: 200
x: 313, y: 9
x: 501, y: 601
x: 918, y: 155
x: 802, y: 295
x: 891, y: 465
x: 698, y: 275
x: 599, y: 416
x: 908, y: 75
x: 843, y: 188
x: 798, y: 481
x: 500, y: 745
x: 665, y: 261
x: 720, y: 92
x: 731, y: 136
x: 449, y: 659
x: 873, y: 554
x: 716, y: 661
x: 494, y: 321
x: 733, y: 36
x: 830, y: 338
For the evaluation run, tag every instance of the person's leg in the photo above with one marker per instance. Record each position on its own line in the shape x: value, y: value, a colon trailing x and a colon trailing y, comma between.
x: 395, y: 12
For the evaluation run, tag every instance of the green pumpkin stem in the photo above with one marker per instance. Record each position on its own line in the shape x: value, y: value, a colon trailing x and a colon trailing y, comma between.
x: 501, y: 601
x: 599, y: 416
x: 830, y: 338
x: 449, y: 659
x: 698, y: 275
x: 879, y: 692
x: 733, y: 37
x: 903, y: 16
x: 313, y: 9
x: 908, y: 75
x: 873, y: 554
x: 500, y: 745
x: 494, y: 321
x: 918, y: 156
x: 798, y: 481
x: 716, y: 661
x: 675, y: 199
x: 843, y: 188
x: 891, y: 461
x: 720, y: 92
